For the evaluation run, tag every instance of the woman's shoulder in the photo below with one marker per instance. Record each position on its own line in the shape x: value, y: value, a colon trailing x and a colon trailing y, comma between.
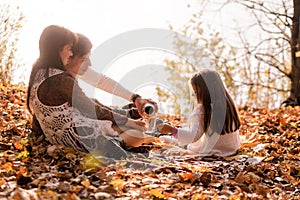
x: 59, y: 74
x: 52, y: 72
x: 66, y: 74
x: 59, y: 78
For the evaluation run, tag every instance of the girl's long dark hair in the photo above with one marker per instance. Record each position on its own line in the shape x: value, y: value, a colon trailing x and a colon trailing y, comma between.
x: 52, y: 41
x: 220, y: 113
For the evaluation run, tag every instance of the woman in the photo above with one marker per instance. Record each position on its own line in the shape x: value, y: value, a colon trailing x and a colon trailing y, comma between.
x: 66, y: 116
x: 78, y: 64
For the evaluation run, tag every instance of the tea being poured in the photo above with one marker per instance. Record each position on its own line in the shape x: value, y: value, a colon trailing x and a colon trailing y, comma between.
x: 150, y: 111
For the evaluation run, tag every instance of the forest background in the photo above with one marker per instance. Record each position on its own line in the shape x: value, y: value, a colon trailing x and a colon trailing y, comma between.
x: 257, y: 57
x: 256, y: 50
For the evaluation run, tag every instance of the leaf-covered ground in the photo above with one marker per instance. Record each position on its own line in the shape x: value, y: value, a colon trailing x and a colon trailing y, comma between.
x: 266, y: 167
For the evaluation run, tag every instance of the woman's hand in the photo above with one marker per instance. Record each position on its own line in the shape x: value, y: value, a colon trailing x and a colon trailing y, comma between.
x: 136, y: 124
x: 140, y: 102
x: 165, y: 128
x: 133, y: 113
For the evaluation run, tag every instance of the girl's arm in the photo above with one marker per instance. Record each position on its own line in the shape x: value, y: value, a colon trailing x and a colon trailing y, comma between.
x: 189, y: 134
x: 193, y: 132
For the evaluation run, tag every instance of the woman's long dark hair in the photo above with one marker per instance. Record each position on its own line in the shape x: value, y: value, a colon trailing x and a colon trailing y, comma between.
x: 52, y: 41
x: 220, y: 113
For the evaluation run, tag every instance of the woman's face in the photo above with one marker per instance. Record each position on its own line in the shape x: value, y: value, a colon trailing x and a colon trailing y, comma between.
x: 78, y: 65
x: 65, y: 54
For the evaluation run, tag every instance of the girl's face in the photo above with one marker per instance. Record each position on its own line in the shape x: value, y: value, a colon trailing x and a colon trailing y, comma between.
x: 65, y: 54
x: 194, y: 94
x: 78, y: 65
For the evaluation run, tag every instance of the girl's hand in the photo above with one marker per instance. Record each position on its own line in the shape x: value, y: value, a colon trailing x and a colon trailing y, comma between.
x: 136, y: 124
x: 165, y: 128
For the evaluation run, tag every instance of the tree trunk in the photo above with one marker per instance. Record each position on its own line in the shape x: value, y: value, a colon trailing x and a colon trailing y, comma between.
x: 295, y: 51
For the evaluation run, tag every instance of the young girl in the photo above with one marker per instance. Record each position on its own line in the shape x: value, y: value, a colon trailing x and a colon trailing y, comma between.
x: 65, y: 114
x: 214, y: 122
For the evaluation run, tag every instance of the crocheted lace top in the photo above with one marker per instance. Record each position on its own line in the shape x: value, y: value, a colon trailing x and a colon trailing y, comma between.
x: 64, y: 124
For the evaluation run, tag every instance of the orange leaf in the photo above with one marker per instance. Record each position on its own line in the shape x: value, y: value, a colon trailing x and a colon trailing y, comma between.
x: 7, y: 166
x: 18, y: 145
x: 156, y: 193
x: 186, y: 176
x: 85, y: 183
x: 119, y: 183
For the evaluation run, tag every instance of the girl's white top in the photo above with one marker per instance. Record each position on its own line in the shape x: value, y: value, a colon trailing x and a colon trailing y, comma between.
x: 201, y: 143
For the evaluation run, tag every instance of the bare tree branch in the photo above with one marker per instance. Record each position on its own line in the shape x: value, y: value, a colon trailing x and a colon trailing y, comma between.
x: 260, y: 85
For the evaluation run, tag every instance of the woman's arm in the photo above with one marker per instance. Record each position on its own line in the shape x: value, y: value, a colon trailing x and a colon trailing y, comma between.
x: 109, y: 85
x: 105, y: 83
x: 62, y: 88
